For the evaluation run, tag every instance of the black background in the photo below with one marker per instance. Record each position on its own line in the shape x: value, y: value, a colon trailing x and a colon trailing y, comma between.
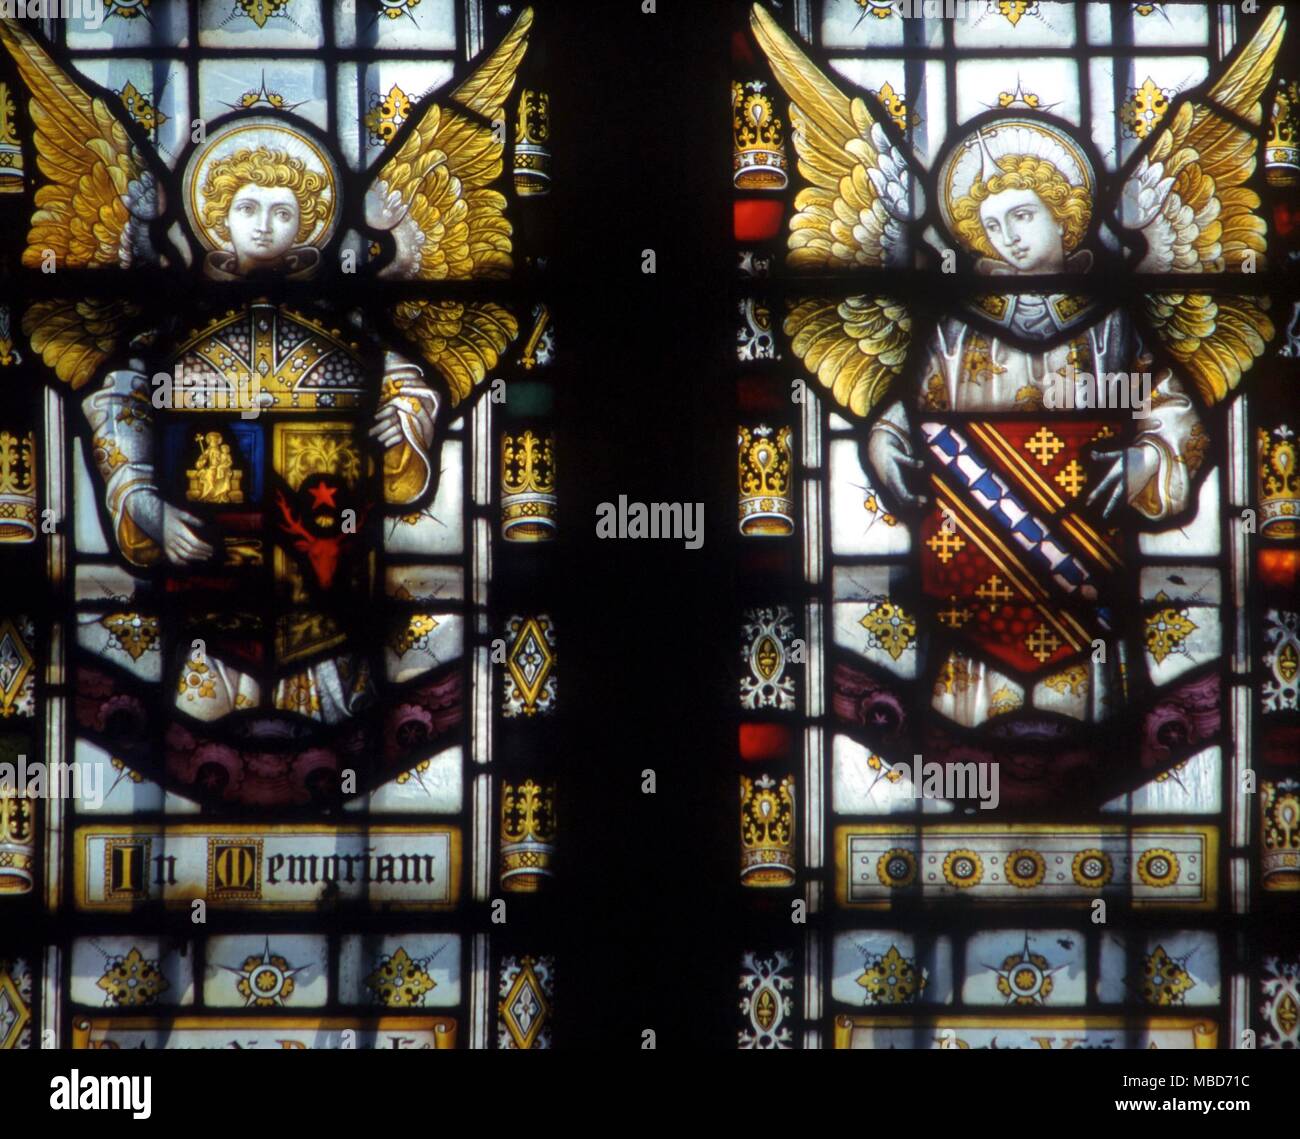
x: 647, y: 900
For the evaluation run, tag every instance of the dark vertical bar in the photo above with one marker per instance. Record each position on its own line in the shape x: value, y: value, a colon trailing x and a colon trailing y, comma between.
x: 640, y: 114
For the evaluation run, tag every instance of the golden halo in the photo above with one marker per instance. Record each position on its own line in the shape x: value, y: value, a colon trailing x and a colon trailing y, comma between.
x: 253, y: 133
x: 968, y: 160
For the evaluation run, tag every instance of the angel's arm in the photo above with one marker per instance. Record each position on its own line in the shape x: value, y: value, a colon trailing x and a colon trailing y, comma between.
x: 404, y: 427
x: 1161, y: 466
x: 1156, y: 473
x: 891, y: 458
x: 145, y: 527
x: 889, y: 448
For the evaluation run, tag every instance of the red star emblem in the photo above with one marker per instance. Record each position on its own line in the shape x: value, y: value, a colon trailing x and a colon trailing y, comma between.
x: 322, y: 494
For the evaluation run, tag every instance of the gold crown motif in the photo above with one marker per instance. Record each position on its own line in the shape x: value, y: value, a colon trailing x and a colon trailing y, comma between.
x: 17, y: 487
x: 758, y: 139
x: 532, y: 144
x: 1282, y: 151
x: 11, y: 151
x: 1280, y: 831
x: 528, y: 502
x: 527, y: 835
x: 1279, y: 488
x: 764, y: 462
x: 16, y: 842
x: 766, y: 831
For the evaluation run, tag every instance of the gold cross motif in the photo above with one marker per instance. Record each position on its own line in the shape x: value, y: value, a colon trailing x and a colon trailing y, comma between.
x: 993, y: 591
x: 953, y: 617
x: 946, y: 544
x: 1071, y: 477
x: 1043, y: 445
x: 1042, y: 642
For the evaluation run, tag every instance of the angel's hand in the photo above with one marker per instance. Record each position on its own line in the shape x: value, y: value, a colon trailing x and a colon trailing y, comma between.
x: 387, y: 426
x: 170, y: 526
x: 890, y: 457
x: 179, y: 541
x: 1109, y: 490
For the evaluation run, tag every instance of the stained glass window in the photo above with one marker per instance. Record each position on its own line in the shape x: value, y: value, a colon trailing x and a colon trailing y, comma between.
x: 1013, y: 720
x: 283, y: 531
x: 951, y: 705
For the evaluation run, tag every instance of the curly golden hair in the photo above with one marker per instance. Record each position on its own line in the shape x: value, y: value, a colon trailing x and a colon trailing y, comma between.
x: 1070, y: 205
x: 269, y: 169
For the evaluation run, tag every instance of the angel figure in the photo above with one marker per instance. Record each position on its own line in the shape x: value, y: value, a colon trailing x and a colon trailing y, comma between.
x: 1033, y: 435
x: 320, y: 419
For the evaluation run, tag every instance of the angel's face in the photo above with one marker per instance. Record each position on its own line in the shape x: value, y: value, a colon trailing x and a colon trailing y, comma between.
x: 1024, y: 231
x: 263, y: 224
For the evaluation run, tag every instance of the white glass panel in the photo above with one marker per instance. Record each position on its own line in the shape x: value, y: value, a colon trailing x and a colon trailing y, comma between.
x: 1025, y: 85
x: 154, y: 93
x: 1191, y: 787
x: 1035, y: 24
x: 132, y: 973
x: 1026, y: 968
x: 422, y: 24
x: 226, y: 85
x: 282, y: 970
x: 126, y: 23
x: 438, y: 528
x: 878, y: 968
x: 1178, y: 967
x: 433, y: 785
x: 860, y: 521
x: 1199, y: 537
x: 257, y: 24
x: 867, y: 622
x: 390, y: 92
x: 372, y: 967
x: 877, y: 23
x: 924, y: 93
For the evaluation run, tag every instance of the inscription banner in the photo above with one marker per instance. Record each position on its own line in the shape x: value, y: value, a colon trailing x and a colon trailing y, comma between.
x: 283, y: 867
x: 1057, y: 1033
x: 148, y: 1032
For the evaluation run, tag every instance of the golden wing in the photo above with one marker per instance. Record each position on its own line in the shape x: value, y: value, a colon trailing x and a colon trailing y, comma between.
x: 434, y: 196
x: 854, y: 214
x: 461, y: 340
x: 855, y: 347
x: 94, y: 203
x: 1190, y: 199
x: 856, y: 210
